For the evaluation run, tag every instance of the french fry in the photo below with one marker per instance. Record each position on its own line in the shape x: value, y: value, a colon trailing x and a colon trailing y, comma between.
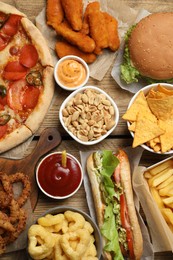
x: 165, y: 183
x: 168, y: 215
x: 160, y: 177
x: 168, y: 164
x: 64, y: 159
x: 171, y: 227
x: 167, y: 191
x: 168, y: 201
x: 147, y: 175
x: 157, y: 197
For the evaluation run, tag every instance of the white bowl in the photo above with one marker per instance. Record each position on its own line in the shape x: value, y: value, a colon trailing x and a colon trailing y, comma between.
x: 115, y: 117
x: 82, y: 63
x: 145, y: 91
x: 54, y: 176
x: 97, y: 234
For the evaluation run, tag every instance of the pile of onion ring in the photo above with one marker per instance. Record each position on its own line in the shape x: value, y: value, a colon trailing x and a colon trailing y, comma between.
x: 65, y: 236
x: 12, y: 215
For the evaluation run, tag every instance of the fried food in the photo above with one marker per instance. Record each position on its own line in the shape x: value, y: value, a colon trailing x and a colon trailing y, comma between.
x: 75, y: 242
x: 54, y: 12
x: 98, y: 30
x: 82, y: 41
x: 73, y: 12
x: 63, y: 48
x: 90, y: 8
x: 12, y: 216
x: 112, y: 27
x: 20, y: 177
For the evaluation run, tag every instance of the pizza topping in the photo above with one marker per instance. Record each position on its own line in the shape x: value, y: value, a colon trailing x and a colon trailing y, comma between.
x: 4, y: 40
x: 14, y: 71
x: 3, y: 130
x: 30, y: 97
x: 11, y: 26
x: 3, y: 18
x: 14, y: 50
x: 14, y: 94
x: 28, y: 56
x: 34, y: 78
x: 3, y: 91
x: 4, y: 119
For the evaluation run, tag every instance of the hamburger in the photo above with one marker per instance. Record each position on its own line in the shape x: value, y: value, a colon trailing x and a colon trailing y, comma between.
x: 148, y: 52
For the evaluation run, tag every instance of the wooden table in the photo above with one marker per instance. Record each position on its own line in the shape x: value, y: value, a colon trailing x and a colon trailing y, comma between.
x: 119, y: 138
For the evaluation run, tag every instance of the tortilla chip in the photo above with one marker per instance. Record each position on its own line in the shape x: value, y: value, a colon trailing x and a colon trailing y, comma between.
x: 161, y: 108
x: 166, y: 139
x: 162, y: 89
x: 139, y: 104
x: 145, y: 130
x: 132, y: 127
x: 155, y: 94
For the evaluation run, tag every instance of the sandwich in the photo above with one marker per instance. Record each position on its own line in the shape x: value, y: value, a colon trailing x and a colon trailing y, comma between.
x: 110, y: 181
x: 148, y: 51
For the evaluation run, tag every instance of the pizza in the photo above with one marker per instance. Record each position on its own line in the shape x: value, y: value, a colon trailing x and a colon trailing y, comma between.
x: 26, y: 77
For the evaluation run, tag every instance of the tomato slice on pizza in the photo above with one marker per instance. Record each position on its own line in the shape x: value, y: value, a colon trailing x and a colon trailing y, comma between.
x: 26, y: 78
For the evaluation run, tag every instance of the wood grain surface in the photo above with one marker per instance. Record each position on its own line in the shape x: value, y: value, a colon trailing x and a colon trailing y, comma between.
x: 120, y: 136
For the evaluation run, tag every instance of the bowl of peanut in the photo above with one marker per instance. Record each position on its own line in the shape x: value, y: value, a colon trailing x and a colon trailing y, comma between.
x: 89, y: 115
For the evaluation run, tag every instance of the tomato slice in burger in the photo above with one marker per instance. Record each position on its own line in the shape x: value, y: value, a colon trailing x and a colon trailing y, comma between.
x: 14, y: 94
x: 3, y: 130
x: 30, y: 97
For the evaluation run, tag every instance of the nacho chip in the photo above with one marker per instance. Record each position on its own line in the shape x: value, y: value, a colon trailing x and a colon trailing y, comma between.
x: 145, y: 130
x: 166, y: 138
x: 132, y: 127
x: 162, y: 89
x: 155, y: 94
x: 161, y: 108
x: 139, y: 104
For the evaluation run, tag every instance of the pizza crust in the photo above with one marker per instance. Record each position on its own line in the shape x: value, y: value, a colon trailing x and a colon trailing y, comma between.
x: 35, y: 119
x: 15, y: 138
x: 5, y: 8
x: 38, y: 41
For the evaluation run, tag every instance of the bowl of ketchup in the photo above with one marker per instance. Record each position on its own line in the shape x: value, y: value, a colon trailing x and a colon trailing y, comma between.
x: 59, y: 175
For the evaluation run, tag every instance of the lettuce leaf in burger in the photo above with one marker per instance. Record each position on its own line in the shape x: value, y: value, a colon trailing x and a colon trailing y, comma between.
x: 148, y: 50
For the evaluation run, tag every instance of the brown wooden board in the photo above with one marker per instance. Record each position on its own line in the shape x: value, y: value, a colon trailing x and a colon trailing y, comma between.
x: 49, y: 139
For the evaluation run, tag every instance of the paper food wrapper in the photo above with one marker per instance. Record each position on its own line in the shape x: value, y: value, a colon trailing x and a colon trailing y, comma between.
x: 103, y: 62
x: 134, y: 156
x: 162, y: 237
x: 136, y: 86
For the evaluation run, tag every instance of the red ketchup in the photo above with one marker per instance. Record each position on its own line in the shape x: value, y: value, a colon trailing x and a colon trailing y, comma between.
x: 57, y: 180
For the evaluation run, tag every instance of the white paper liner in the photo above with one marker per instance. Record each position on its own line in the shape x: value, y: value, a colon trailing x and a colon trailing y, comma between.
x: 133, y: 87
x: 134, y: 156
x: 161, y: 235
x: 103, y: 62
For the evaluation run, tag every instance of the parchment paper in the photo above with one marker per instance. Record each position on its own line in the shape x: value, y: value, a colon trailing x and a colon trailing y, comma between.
x: 134, y: 157
x: 133, y: 87
x: 103, y: 62
x: 161, y: 235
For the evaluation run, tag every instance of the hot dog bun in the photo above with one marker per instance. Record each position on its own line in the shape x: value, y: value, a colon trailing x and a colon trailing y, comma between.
x: 100, y: 204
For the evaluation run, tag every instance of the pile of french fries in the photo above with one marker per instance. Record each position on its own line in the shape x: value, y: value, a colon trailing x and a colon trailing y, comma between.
x: 160, y: 181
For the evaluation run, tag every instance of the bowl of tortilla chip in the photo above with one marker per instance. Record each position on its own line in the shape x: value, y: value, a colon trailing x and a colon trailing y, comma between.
x: 149, y: 118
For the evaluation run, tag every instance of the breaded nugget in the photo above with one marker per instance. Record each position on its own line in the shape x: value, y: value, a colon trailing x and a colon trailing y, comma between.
x: 90, y: 8
x: 63, y: 48
x: 112, y: 27
x: 82, y: 41
x: 54, y: 12
x: 98, y: 30
x: 73, y: 12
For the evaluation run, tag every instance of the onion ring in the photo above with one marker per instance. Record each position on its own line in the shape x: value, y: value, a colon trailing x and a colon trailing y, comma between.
x: 6, y: 192
x: 76, y: 220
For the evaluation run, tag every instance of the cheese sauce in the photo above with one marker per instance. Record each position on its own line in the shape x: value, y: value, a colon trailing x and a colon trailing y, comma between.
x: 71, y: 73
x: 57, y: 180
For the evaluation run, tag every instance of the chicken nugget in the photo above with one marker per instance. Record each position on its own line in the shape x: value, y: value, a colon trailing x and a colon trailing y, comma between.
x: 98, y: 30
x: 54, y: 12
x: 90, y: 8
x: 73, y: 12
x: 112, y: 27
x: 63, y: 48
x: 82, y: 41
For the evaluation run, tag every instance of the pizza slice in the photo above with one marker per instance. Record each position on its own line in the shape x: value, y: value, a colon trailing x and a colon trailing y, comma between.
x: 26, y: 77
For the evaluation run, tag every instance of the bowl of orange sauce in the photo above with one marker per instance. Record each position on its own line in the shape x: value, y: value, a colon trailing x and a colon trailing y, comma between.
x: 71, y: 72
x: 59, y: 175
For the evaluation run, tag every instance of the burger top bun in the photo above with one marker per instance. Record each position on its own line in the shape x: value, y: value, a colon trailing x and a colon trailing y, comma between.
x: 151, y: 46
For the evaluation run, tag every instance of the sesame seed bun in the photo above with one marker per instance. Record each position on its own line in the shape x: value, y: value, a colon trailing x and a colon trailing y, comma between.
x: 151, y: 46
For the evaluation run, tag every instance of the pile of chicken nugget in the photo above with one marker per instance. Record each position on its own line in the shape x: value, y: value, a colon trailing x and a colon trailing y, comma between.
x: 84, y: 34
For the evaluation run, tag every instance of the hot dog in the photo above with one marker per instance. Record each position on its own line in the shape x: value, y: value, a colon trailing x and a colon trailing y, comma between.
x: 110, y: 180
